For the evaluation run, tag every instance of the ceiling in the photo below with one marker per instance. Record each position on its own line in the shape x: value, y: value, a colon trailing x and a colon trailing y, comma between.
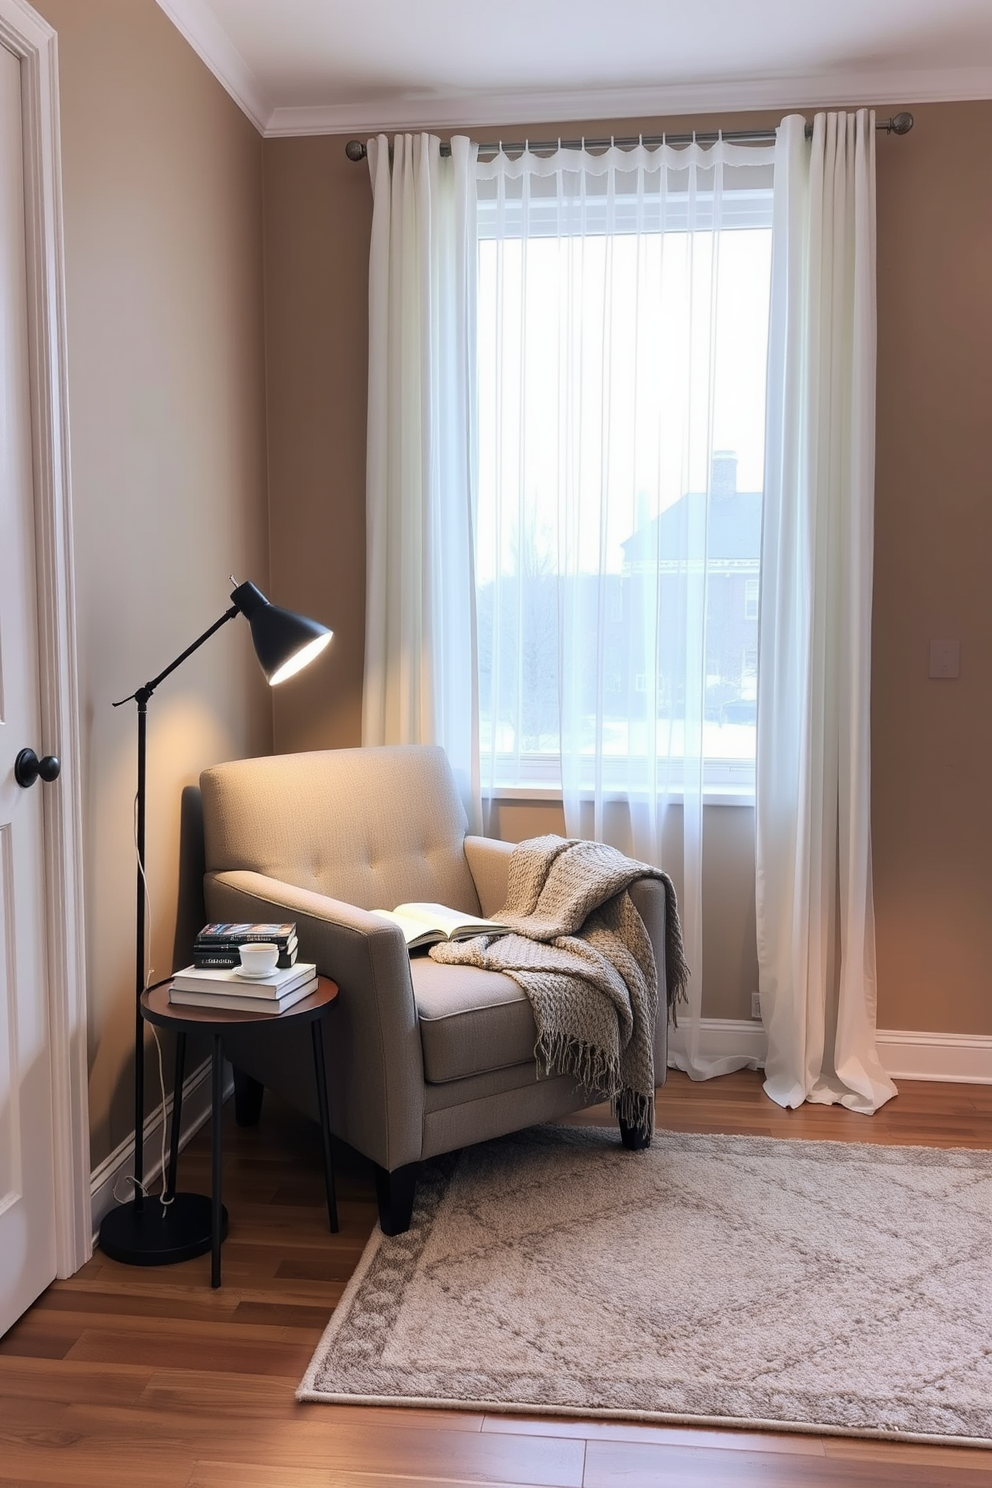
x: 328, y: 67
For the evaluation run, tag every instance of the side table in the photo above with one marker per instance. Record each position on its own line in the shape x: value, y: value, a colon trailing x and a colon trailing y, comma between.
x: 156, y: 1008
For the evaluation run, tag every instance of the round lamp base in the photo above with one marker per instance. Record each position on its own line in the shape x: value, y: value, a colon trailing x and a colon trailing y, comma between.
x: 150, y: 1237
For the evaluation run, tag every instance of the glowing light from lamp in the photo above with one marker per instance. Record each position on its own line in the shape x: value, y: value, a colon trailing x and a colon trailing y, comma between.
x: 300, y: 659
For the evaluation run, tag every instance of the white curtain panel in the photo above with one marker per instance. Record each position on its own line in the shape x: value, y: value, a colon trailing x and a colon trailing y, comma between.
x: 815, y: 925
x: 609, y: 367
x: 420, y: 673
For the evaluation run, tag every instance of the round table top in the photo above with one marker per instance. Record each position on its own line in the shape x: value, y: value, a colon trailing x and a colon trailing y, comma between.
x: 156, y: 1008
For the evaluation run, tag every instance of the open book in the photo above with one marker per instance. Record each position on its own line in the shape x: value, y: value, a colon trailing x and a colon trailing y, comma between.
x: 425, y: 924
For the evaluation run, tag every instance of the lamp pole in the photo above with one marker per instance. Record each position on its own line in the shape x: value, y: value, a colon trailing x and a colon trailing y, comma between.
x: 141, y: 698
x: 181, y: 1227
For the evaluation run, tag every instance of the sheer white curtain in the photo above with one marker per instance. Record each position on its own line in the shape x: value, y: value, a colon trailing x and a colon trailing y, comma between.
x: 622, y: 349
x: 420, y: 671
x: 816, y: 947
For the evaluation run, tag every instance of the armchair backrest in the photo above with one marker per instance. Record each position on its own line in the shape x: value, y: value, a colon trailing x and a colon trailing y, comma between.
x: 375, y: 827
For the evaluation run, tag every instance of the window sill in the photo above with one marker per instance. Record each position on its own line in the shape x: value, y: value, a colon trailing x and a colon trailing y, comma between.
x: 713, y: 795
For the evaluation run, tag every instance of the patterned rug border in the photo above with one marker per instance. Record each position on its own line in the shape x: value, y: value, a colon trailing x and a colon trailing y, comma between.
x: 439, y: 1174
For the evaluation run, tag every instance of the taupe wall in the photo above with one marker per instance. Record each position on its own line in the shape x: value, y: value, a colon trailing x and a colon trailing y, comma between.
x: 931, y: 740
x: 318, y: 214
x: 163, y: 229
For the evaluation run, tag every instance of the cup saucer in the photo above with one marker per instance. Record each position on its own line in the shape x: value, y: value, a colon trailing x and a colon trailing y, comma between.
x: 255, y: 976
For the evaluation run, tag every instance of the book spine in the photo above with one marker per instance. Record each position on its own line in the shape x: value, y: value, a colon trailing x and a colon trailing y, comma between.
x: 232, y: 989
x: 227, y: 960
x: 213, y: 944
x: 285, y: 937
x: 237, y: 1005
x: 242, y: 987
x: 222, y: 1000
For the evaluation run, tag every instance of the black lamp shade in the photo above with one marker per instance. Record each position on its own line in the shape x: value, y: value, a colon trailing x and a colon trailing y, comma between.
x: 284, y: 641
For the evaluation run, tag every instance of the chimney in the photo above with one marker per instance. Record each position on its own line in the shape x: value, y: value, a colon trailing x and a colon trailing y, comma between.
x: 723, y: 473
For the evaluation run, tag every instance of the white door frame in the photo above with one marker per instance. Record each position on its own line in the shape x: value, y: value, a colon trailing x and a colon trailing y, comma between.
x: 25, y: 33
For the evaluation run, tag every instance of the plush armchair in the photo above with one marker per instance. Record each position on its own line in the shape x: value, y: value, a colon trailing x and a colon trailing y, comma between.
x: 421, y: 1058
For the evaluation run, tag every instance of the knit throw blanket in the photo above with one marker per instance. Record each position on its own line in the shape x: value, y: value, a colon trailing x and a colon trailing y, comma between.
x: 581, y: 953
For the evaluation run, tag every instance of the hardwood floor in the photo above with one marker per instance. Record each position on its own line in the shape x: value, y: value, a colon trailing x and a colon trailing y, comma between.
x: 147, y: 1378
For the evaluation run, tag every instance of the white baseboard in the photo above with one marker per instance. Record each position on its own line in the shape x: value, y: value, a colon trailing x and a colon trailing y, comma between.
x: 961, y: 1058
x: 739, y: 1037
x: 964, y: 1058
x: 109, y: 1178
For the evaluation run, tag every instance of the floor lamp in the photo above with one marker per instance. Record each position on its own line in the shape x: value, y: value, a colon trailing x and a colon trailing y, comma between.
x: 143, y: 1231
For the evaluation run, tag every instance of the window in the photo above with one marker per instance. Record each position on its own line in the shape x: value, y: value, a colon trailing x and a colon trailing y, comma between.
x: 622, y: 341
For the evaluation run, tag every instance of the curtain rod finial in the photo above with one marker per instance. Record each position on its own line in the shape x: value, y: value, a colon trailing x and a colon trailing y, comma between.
x: 355, y: 150
x: 901, y: 124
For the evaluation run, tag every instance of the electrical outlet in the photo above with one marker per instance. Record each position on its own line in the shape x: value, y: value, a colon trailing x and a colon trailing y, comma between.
x: 756, y: 1005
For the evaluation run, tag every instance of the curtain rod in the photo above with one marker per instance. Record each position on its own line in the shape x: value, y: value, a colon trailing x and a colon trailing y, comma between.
x: 899, y: 124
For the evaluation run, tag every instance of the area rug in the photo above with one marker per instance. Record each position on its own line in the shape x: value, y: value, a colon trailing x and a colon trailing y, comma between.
x: 734, y: 1281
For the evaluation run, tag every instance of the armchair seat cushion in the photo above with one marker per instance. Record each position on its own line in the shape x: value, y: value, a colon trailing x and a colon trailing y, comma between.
x: 471, y: 1021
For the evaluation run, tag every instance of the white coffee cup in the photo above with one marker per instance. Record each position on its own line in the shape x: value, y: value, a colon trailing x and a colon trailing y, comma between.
x: 259, y: 957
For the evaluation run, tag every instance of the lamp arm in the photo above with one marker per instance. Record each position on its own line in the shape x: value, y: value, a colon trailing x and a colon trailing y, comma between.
x: 150, y: 687
x: 141, y: 699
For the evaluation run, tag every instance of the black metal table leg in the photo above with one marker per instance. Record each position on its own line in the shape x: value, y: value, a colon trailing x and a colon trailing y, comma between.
x: 192, y: 1224
x: 177, y: 1114
x: 325, y: 1123
x: 216, y: 1116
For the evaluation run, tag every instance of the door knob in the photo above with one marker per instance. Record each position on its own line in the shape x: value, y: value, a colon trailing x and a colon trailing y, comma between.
x: 27, y: 767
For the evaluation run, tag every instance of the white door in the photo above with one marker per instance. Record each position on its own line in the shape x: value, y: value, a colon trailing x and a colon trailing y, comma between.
x: 27, y: 1163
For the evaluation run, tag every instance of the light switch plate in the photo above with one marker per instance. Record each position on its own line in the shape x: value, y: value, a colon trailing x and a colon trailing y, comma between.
x: 945, y: 659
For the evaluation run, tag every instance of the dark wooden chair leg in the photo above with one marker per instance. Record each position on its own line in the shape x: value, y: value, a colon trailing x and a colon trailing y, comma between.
x: 394, y: 1192
x: 633, y: 1138
x: 248, y: 1094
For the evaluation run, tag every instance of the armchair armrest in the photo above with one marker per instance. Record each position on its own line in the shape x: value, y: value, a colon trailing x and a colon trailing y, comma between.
x: 651, y: 902
x: 375, y: 1062
x: 489, y: 862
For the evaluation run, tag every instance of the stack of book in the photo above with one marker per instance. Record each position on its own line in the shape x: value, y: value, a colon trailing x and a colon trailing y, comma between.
x: 219, y: 943
x: 218, y: 980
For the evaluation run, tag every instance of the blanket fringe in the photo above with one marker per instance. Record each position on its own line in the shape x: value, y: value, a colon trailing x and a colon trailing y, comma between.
x: 636, y: 1110
x: 557, y: 1054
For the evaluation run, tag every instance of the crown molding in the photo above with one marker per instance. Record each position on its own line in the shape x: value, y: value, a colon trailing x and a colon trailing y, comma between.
x: 211, y: 43
x: 879, y: 88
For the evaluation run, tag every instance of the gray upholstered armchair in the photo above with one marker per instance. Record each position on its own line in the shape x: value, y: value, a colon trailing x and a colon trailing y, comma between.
x: 421, y: 1058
